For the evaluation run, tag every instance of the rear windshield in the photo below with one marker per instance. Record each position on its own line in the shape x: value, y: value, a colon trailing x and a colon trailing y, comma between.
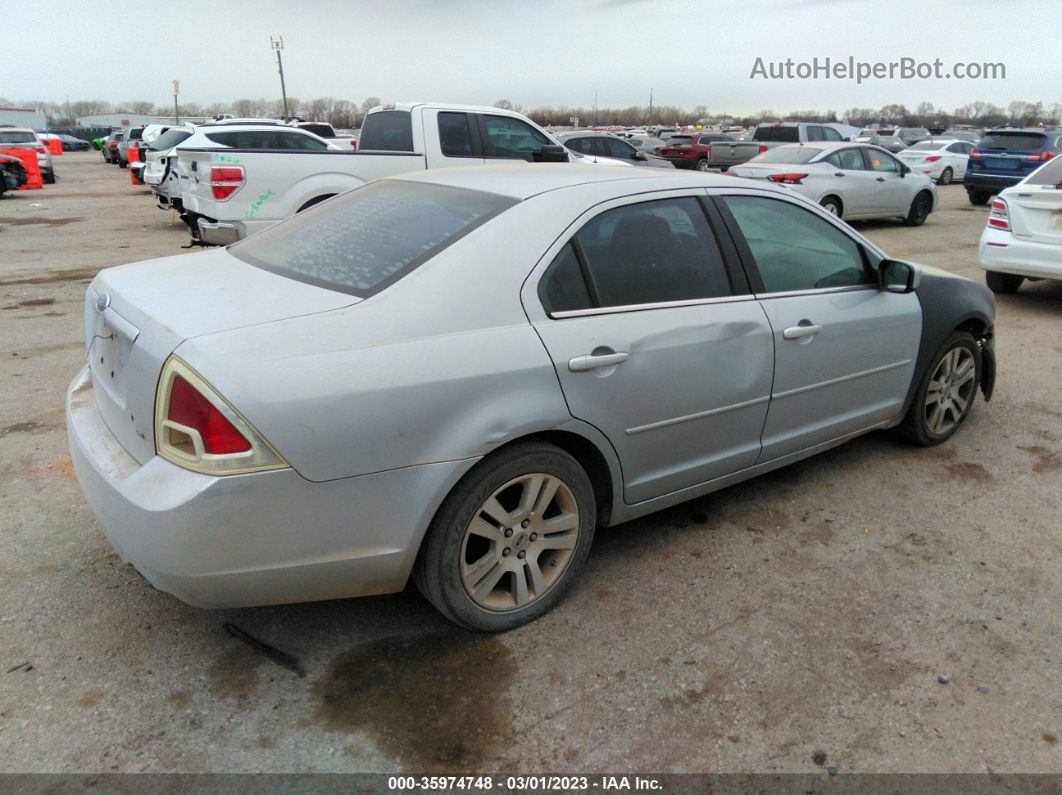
x: 170, y: 139
x: 926, y: 146
x: 679, y: 140
x: 1051, y: 174
x: 1012, y: 141
x: 17, y: 138
x: 366, y: 239
x: 787, y: 154
x: 790, y: 135
x: 137, y: 134
x: 387, y: 131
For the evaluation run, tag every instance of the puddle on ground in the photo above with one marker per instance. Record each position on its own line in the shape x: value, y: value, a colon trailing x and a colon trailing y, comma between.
x: 436, y: 702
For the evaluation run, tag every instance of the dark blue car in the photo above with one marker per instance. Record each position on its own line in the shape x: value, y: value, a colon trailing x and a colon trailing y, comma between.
x: 1005, y: 157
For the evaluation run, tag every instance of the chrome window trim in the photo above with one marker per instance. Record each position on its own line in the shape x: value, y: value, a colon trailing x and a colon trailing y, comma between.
x: 816, y: 291
x: 612, y: 310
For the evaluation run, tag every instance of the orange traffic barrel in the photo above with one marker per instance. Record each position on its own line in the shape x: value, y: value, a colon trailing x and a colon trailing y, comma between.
x: 55, y: 145
x: 29, y: 162
x: 134, y: 157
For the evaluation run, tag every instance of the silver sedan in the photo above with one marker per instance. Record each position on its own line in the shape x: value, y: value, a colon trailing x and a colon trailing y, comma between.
x: 459, y: 375
x: 851, y: 180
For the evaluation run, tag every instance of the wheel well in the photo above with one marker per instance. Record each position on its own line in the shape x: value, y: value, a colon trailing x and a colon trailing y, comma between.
x: 313, y: 201
x: 590, y: 459
x: 976, y: 327
x: 840, y: 204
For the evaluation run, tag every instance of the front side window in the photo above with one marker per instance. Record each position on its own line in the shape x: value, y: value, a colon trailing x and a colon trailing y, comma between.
x: 831, y: 134
x: 618, y: 149
x: 513, y: 139
x: 794, y: 249
x: 879, y: 161
x: 364, y: 240
x: 455, y: 135
x: 644, y: 253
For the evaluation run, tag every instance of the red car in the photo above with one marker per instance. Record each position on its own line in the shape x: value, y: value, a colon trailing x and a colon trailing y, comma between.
x: 697, y: 151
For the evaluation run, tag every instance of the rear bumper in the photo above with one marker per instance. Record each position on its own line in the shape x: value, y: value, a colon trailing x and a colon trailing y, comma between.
x: 218, y: 233
x: 990, y: 182
x: 257, y: 539
x: 1002, y: 252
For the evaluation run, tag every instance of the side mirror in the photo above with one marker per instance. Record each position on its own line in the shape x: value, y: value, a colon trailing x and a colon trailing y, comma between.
x: 639, y: 156
x: 554, y: 153
x: 897, y: 277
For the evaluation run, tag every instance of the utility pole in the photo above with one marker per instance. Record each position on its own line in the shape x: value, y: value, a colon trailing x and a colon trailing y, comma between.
x: 278, y: 45
x: 650, y: 106
x: 176, y: 113
x: 595, y: 107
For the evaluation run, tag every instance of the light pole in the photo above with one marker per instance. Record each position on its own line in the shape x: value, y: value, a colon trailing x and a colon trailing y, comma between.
x: 176, y: 113
x: 278, y: 45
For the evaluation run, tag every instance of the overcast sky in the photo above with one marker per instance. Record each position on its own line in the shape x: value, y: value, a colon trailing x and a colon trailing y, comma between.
x: 532, y: 52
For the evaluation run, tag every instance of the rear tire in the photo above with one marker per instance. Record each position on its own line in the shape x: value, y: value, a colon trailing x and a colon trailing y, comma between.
x: 978, y: 198
x: 946, y: 392
x: 491, y: 575
x: 832, y: 205
x: 49, y: 178
x: 702, y: 164
x: 920, y: 209
x: 1003, y: 283
x: 945, y: 176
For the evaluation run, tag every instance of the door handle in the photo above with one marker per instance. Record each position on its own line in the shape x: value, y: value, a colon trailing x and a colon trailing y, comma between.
x: 838, y: 173
x: 881, y: 179
x: 803, y: 329
x: 580, y: 364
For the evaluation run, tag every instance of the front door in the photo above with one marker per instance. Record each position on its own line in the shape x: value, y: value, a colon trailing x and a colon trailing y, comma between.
x: 653, y: 347
x: 844, y: 350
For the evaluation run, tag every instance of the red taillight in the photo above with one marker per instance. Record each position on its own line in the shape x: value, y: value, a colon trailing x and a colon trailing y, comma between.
x: 787, y: 179
x: 763, y: 149
x: 189, y: 408
x: 999, y: 217
x: 225, y: 180
x: 975, y: 155
x: 932, y: 158
x: 41, y: 149
x: 1041, y: 157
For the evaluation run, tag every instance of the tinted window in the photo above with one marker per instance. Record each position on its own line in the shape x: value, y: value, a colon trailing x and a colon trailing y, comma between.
x: 1051, y: 174
x: 831, y: 134
x: 789, y: 135
x: 170, y: 139
x: 292, y: 140
x: 1012, y: 141
x: 584, y: 146
x: 323, y: 130
x: 815, y: 134
x: 957, y: 148
x: 363, y: 240
x: 247, y: 139
x: 618, y: 149
x: 848, y: 159
x: 512, y: 138
x: 137, y: 134
x: 795, y: 249
x: 387, y: 131
x: 17, y: 138
x: 879, y: 161
x: 651, y: 252
x: 455, y: 135
x: 563, y: 288
x: 679, y: 140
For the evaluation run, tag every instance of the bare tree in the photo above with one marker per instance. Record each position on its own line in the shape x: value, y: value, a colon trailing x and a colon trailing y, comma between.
x: 503, y: 104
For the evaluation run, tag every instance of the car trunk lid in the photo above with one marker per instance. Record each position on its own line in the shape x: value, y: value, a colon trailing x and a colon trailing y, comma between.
x: 1036, y: 213
x: 135, y: 316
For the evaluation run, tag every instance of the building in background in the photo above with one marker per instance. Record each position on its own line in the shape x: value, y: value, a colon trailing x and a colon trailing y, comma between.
x: 23, y: 117
x: 123, y: 120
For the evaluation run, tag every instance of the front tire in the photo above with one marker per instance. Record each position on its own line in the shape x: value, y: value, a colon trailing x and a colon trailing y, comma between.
x: 946, y: 393
x: 49, y: 178
x: 945, y: 176
x: 510, y: 539
x: 1003, y: 283
x: 702, y: 164
x: 920, y: 209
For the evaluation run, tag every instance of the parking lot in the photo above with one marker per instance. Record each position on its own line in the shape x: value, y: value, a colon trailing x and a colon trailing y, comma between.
x: 877, y: 608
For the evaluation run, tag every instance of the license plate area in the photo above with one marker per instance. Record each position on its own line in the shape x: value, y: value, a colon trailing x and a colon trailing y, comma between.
x: 108, y: 356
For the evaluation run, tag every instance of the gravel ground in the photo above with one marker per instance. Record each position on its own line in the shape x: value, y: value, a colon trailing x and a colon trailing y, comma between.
x: 876, y: 608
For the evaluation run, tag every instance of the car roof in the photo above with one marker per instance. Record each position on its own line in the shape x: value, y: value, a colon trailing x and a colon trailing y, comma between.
x: 524, y: 180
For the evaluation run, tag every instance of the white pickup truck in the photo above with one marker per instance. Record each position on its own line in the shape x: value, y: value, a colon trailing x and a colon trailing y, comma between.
x: 229, y: 193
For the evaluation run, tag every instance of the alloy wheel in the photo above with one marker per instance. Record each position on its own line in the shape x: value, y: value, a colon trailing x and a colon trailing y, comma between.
x: 950, y: 391
x: 519, y: 543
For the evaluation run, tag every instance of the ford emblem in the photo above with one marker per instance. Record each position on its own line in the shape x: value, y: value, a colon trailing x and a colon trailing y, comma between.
x: 102, y: 302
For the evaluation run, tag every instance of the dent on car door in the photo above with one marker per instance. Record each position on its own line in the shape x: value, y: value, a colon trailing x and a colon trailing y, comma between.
x: 844, y: 350
x: 656, y: 342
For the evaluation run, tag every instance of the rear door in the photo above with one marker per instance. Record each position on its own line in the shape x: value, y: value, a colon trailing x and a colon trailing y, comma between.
x: 451, y: 138
x: 656, y: 342
x: 844, y: 350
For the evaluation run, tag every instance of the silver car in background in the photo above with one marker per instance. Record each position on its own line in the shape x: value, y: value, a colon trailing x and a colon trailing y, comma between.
x: 852, y: 181
x: 460, y: 374
x: 591, y: 143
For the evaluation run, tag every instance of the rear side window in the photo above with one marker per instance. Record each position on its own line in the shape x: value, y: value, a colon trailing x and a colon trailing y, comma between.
x: 368, y: 238
x: 170, y: 139
x: 17, y: 138
x: 794, y: 249
x: 137, y: 134
x: 387, y: 131
x: 455, y: 135
x: 644, y: 253
x: 1012, y: 141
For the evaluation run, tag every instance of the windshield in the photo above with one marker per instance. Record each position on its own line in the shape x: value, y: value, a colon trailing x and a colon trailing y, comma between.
x: 366, y: 239
x: 17, y: 138
x: 1050, y: 174
x: 788, y: 154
